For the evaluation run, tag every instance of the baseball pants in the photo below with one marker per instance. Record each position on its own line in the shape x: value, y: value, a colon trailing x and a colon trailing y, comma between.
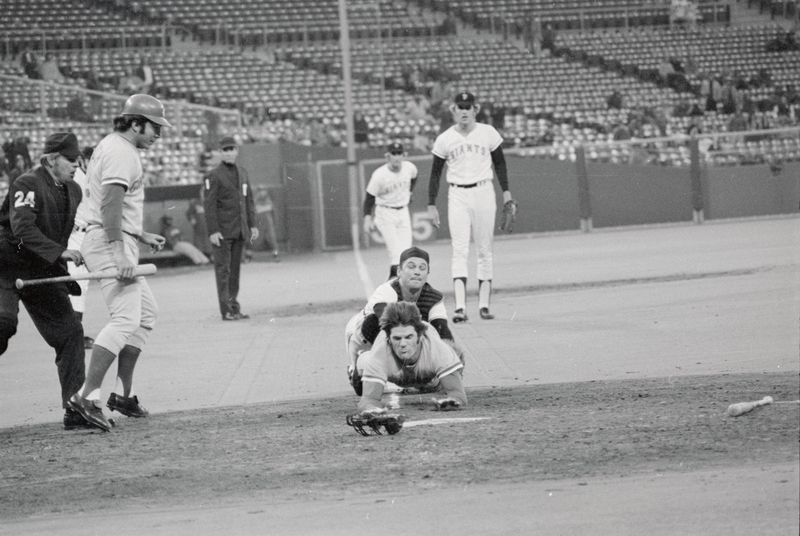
x: 395, y: 227
x: 227, y: 268
x: 472, y: 210
x: 130, y: 303
x: 51, y: 312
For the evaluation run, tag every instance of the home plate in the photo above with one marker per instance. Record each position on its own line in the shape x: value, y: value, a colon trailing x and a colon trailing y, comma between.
x: 433, y: 422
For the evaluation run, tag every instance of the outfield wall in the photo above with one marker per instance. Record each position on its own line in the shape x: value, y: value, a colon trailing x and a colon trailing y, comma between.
x: 310, y: 188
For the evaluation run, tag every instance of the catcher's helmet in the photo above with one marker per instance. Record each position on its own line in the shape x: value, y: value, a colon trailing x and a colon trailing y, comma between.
x: 149, y: 107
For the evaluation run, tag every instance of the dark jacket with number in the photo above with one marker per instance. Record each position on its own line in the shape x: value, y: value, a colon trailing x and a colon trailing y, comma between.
x: 228, y: 202
x: 34, y: 231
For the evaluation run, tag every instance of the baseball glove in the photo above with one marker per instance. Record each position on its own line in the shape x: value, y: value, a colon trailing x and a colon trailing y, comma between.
x: 446, y: 404
x: 509, y: 215
x: 368, y: 424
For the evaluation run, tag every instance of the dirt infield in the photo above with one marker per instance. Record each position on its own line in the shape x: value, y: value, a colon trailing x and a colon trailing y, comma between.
x: 303, y: 450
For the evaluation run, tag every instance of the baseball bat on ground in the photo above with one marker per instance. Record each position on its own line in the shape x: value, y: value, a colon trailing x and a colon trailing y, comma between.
x: 142, y: 269
x: 734, y: 410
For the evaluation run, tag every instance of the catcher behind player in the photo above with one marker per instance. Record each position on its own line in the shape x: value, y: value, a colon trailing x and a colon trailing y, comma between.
x: 409, y: 354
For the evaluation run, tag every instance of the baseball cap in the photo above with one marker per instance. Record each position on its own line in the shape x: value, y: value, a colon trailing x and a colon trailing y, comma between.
x: 395, y: 148
x: 63, y: 143
x: 414, y: 251
x: 227, y: 142
x: 465, y: 97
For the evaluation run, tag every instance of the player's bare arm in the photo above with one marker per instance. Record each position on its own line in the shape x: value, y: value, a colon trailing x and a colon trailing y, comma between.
x: 111, y: 214
x: 371, y: 397
x: 433, y: 189
x: 455, y: 397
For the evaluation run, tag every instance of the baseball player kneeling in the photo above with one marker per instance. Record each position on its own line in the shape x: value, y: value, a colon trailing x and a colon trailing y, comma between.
x: 409, y: 354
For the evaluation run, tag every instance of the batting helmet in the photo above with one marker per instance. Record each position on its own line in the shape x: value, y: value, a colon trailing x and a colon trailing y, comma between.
x: 146, y: 106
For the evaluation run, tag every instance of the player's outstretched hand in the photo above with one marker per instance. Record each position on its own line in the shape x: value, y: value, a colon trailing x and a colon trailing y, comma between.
x: 446, y: 404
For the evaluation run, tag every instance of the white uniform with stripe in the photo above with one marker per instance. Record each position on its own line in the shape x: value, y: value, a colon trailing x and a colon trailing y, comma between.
x: 76, y: 241
x: 131, y: 305
x: 471, y: 204
x: 392, y: 191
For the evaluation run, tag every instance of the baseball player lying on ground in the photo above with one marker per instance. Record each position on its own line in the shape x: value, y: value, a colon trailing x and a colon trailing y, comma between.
x: 411, y: 285
x: 409, y: 354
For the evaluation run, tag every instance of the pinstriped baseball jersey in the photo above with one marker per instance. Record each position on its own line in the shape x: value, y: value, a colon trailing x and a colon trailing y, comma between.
x: 392, y: 189
x: 469, y: 157
x: 116, y: 161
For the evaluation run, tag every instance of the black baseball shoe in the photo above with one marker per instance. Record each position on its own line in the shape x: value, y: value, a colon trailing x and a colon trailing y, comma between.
x: 75, y: 421
x: 355, y: 381
x: 128, y: 406
x: 459, y: 316
x: 90, y: 410
x: 485, y: 314
x: 230, y: 317
x: 241, y: 316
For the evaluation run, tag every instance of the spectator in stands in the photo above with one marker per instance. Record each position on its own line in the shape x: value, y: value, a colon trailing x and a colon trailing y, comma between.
x: 31, y: 65
x: 549, y: 38
x: 130, y: 84
x: 449, y: 26
x: 17, y: 169
x: 738, y: 122
x: 95, y: 101
x: 51, y: 71
x: 145, y: 73
x: 176, y: 243
x: 75, y: 109
x: 15, y: 147
x: 696, y: 118
x: 4, y: 168
x: 360, y: 129
x: 615, y: 100
x: 762, y: 78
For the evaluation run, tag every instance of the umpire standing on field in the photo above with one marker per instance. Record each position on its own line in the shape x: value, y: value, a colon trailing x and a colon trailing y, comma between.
x: 36, y: 220
x: 231, y: 219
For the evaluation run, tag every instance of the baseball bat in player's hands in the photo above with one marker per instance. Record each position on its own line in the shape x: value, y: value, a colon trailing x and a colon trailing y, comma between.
x: 734, y: 410
x: 142, y: 269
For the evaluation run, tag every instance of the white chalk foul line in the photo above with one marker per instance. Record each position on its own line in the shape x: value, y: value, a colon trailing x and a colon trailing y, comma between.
x: 434, y: 422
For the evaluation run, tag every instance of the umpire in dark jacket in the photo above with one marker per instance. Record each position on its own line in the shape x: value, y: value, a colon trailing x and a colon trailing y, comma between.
x: 36, y: 220
x: 231, y: 219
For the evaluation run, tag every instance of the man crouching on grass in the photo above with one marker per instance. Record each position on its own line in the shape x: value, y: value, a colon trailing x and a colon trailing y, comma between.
x: 409, y: 354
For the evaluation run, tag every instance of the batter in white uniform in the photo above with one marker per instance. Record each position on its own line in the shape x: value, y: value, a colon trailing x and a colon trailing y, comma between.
x: 470, y: 149
x: 116, y: 212
x: 388, y: 194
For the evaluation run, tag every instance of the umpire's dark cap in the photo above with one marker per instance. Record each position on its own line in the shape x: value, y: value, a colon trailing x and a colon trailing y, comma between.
x: 63, y: 143
x: 395, y: 148
x: 414, y: 251
x: 465, y: 97
x: 227, y: 142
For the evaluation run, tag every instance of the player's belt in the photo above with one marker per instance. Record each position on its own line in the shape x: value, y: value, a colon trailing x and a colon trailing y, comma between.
x: 79, y: 229
x: 473, y: 185
x: 394, y: 208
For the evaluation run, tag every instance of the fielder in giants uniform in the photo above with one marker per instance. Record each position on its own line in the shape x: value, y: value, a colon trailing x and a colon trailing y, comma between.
x: 116, y: 211
x: 409, y: 354
x: 388, y: 194
x: 76, y: 240
x: 469, y: 149
x: 411, y: 285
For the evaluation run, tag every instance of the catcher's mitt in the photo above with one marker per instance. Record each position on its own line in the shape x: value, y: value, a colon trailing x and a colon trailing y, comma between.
x: 368, y: 424
x: 509, y: 215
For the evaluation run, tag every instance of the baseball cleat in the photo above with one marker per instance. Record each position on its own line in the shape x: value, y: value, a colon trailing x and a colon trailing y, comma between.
x: 75, y: 421
x: 230, y: 316
x: 485, y: 314
x: 128, y: 406
x: 90, y: 410
x: 242, y: 316
x: 459, y: 316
